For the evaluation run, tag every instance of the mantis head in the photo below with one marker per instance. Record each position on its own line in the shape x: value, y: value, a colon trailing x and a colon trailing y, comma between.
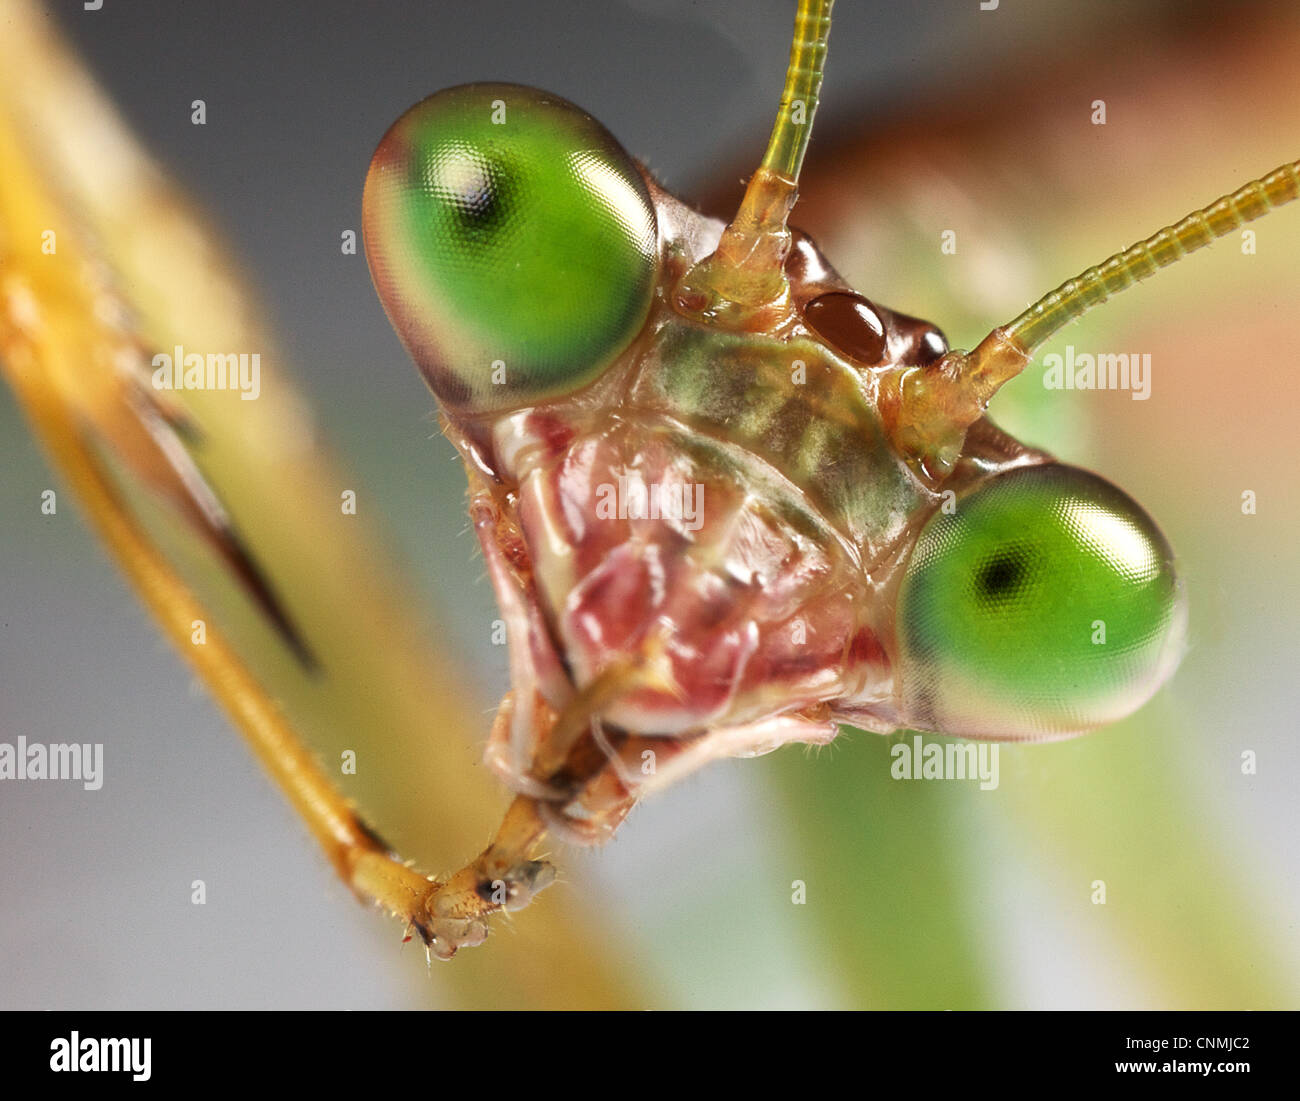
x: 521, y: 254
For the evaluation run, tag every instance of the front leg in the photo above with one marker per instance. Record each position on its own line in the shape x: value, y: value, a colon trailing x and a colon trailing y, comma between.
x: 450, y: 914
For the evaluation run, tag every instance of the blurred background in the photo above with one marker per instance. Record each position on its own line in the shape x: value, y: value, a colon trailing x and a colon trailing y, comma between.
x: 937, y: 116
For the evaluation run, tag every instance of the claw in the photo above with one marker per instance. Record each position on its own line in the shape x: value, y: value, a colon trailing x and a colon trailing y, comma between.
x: 445, y: 927
x: 452, y: 913
x: 443, y: 937
x: 527, y: 881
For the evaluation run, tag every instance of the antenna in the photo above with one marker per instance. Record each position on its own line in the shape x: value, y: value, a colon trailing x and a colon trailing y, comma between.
x: 928, y: 409
x: 745, y: 277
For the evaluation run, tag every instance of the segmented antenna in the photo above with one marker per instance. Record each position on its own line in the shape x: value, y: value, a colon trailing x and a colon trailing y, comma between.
x: 932, y: 407
x: 746, y: 274
x: 1091, y: 288
x: 803, y: 85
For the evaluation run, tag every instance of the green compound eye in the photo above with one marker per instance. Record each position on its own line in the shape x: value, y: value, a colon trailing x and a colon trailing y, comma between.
x: 512, y: 241
x: 1046, y: 604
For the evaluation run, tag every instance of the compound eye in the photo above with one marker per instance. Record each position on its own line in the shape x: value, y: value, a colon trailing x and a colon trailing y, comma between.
x: 512, y: 241
x: 1046, y: 604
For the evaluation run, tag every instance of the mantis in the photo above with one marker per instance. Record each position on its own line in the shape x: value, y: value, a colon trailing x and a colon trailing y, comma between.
x: 830, y: 584
x: 928, y: 459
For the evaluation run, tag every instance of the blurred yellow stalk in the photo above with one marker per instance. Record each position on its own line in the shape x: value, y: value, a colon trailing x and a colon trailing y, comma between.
x: 134, y: 271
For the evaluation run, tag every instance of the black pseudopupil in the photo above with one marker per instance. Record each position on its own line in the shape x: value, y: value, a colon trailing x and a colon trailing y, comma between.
x: 1001, y: 576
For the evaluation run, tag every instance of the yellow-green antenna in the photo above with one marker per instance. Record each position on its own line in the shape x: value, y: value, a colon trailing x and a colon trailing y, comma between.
x: 745, y: 276
x: 931, y: 408
x: 803, y: 85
